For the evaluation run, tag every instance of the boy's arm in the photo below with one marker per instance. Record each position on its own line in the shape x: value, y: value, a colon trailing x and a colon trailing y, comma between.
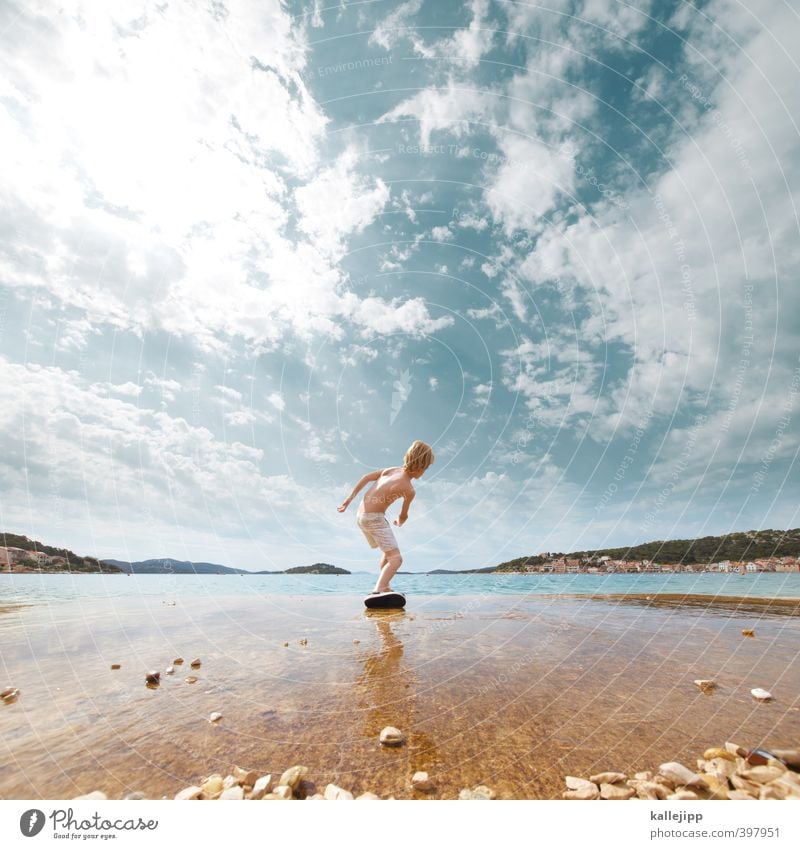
x: 407, y: 499
x: 372, y: 476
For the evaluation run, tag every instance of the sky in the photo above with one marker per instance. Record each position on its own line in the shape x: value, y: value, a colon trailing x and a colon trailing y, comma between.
x: 252, y: 250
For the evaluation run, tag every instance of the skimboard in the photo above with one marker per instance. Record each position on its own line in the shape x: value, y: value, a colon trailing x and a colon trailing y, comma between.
x: 385, y: 601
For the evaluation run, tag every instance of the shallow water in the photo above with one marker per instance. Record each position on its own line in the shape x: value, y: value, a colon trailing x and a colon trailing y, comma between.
x: 511, y: 691
x: 71, y: 587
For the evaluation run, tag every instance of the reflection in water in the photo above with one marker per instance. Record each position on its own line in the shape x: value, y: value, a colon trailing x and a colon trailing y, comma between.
x: 388, y: 687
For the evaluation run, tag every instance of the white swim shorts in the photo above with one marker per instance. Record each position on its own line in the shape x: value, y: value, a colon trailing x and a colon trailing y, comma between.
x: 377, y: 530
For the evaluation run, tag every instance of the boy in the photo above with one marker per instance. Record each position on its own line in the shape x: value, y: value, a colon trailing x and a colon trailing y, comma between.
x: 388, y: 486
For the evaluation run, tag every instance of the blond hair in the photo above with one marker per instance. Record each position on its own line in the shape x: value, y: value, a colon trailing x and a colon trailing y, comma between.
x: 418, y: 457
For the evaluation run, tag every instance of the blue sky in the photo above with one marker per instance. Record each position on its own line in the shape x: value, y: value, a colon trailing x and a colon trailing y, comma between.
x: 252, y: 250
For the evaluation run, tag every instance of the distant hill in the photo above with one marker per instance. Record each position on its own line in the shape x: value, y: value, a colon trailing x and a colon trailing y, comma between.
x: 317, y: 569
x: 744, y: 545
x: 461, y: 571
x: 168, y: 566
x: 66, y: 560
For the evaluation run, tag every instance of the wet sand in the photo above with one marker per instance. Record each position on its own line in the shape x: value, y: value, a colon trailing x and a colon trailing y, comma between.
x: 510, y: 691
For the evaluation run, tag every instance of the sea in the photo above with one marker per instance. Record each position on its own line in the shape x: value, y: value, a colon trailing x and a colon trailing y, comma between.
x: 34, y: 588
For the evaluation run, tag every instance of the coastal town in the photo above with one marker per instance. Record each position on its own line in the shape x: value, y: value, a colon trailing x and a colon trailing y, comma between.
x: 544, y: 563
x: 16, y: 559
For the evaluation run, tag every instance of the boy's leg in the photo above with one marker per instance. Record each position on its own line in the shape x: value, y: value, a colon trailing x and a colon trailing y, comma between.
x: 390, y: 563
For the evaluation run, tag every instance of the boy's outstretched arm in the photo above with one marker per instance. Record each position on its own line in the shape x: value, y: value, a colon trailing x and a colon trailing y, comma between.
x: 372, y: 476
x: 401, y: 519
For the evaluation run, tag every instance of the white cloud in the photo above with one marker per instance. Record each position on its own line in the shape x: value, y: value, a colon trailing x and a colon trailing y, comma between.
x: 276, y: 399
x: 166, y: 387
x: 441, y: 234
x: 450, y: 109
x: 240, y: 417
x: 374, y: 315
x: 393, y: 27
x: 529, y: 180
x: 129, y: 389
x: 338, y: 203
x: 229, y: 395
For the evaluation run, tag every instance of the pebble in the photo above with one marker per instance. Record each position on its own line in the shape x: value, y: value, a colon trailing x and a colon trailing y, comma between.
x: 116, y: 666
x: 716, y: 752
x: 283, y: 792
x: 421, y: 781
x: 739, y: 794
x: 215, y: 717
x: 705, y: 684
x: 768, y: 792
x: 263, y: 785
x: 286, y: 645
x: 232, y: 793
x: 683, y: 794
x: 190, y: 679
x: 193, y: 792
x: 717, y: 784
x: 212, y: 786
x: 292, y: 776
x: 786, y: 785
x: 480, y: 791
x: 356, y: 642
x: 608, y: 778
x: 337, y: 794
x: 790, y: 756
x: 391, y: 736
x: 362, y: 798
x: 317, y: 796
x: 763, y: 774
x: 721, y: 766
x: 746, y: 786
x: 10, y: 695
x: 761, y: 695
x: 170, y: 670
x: 616, y: 791
x: 650, y: 790
x: 644, y: 776
x: 178, y: 661
x: 678, y: 774
x: 196, y: 663
x: 246, y: 777
x: 134, y: 796
x: 575, y: 783
x: 589, y: 792
x: 152, y: 678
x: 304, y: 642
x: 95, y: 796
x: 748, y: 632
x: 229, y: 781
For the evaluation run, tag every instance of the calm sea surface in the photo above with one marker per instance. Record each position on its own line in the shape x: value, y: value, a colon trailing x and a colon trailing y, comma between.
x: 32, y: 588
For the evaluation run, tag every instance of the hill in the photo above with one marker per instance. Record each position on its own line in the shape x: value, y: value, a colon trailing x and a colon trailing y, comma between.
x: 168, y: 566
x: 744, y: 545
x: 317, y: 569
x: 60, y: 559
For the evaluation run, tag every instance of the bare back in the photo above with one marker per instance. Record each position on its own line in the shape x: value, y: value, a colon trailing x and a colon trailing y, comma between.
x: 391, y: 485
